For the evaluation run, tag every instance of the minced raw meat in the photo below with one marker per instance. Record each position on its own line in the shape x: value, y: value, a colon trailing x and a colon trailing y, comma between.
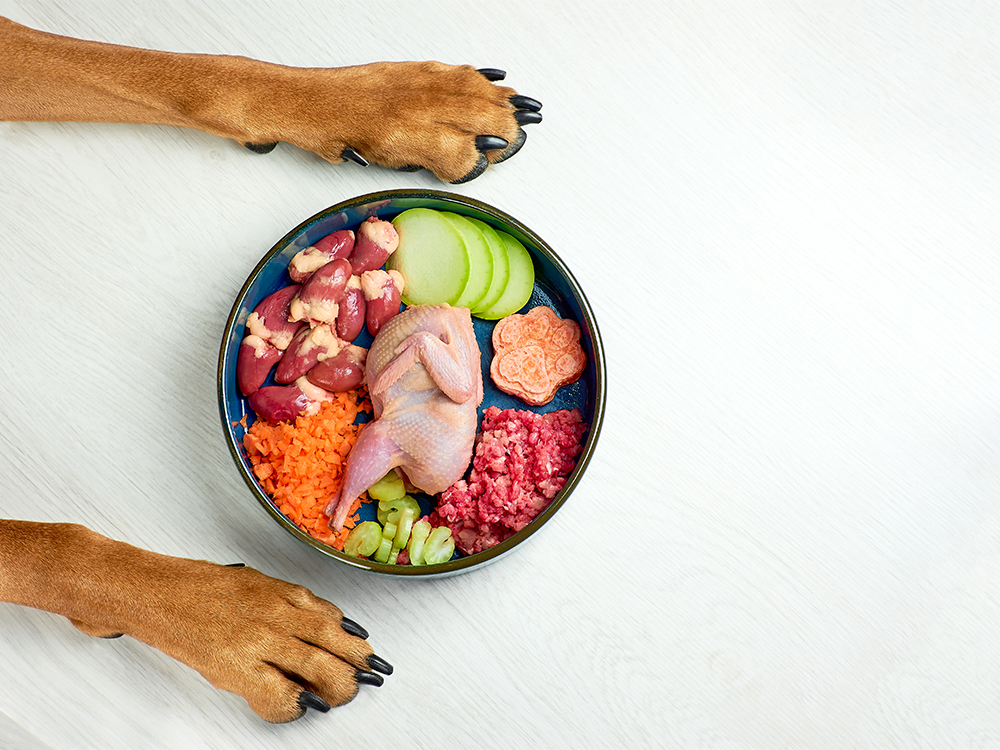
x: 521, y: 460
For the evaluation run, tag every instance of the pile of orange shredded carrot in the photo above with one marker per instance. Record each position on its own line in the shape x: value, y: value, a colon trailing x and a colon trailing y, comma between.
x: 300, y: 464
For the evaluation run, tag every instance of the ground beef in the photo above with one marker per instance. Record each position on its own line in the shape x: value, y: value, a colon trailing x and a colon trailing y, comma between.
x: 521, y: 461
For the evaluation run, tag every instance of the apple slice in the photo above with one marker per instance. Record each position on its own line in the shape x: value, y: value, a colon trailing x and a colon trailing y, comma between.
x: 501, y: 266
x: 431, y: 258
x: 520, y: 285
x: 480, y: 260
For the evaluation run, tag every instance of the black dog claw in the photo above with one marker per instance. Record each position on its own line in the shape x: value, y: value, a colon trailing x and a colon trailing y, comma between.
x: 379, y: 664
x: 352, y: 628
x: 493, y: 74
x: 369, y: 678
x: 351, y: 155
x: 527, y: 117
x: 525, y: 102
x: 490, y: 143
x: 313, y: 701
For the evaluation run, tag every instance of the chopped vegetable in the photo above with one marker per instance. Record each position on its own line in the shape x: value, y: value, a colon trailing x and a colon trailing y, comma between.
x: 439, y: 546
x: 398, y: 531
x: 390, y: 510
x: 389, y: 487
x: 418, y: 536
x: 397, y: 516
x: 300, y: 464
x: 389, y: 531
x: 403, y: 527
x: 364, y: 539
x: 384, y: 550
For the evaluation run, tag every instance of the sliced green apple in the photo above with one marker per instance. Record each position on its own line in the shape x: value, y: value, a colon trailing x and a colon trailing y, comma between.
x: 520, y: 285
x: 431, y: 257
x: 501, y: 266
x: 480, y: 260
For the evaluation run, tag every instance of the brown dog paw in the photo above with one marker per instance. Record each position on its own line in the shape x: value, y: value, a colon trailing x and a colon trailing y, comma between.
x: 452, y: 120
x: 276, y: 644
x: 272, y: 642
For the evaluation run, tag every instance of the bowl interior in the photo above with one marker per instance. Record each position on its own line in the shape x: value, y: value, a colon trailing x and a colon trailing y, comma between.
x: 554, y: 286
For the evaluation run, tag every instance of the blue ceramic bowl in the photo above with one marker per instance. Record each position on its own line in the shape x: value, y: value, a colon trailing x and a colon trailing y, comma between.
x: 554, y: 286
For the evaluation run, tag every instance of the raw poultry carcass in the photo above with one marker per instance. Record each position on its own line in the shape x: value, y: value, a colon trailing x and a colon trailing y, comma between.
x: 425, y: 382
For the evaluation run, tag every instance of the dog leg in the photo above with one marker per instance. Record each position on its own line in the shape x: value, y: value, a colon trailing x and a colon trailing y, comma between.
x: 276, y: 644
x: 450, y: 119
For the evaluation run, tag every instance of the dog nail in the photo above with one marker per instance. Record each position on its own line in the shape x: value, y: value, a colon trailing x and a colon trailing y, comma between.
x: 409, y: 168
x: 490, y: 143
x: 493, y: 74
x: 313, y: 701
x: 477, y: 170
x: 379, y: 664
x: 525, y: 102
x: 352, y: 628
x: 261, y: 148
x: 352, y: 155
x: 527, y: 117
x: 119, y: 635
x: 236, y: 565
x: 369, y: 678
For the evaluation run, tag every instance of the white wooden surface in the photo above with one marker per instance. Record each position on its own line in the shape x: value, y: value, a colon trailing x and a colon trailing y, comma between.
x: 785, y: 216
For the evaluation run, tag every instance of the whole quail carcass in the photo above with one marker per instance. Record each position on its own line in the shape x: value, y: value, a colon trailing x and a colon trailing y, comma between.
x: 425, y: 382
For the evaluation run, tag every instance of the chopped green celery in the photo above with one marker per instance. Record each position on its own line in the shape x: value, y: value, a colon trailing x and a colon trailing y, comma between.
x: 364, y: 539
x: 389, y: 510
x: 405, y: 524
x: 389, y: 530
x: 418, y: 536
x: 389, y: 487
x: 384, y: 550
x: 439, y: 546
x: 393, y: 556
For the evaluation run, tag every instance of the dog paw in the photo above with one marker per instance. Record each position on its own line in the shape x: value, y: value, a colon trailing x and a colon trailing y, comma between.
x: 276, y: 644
x: 304, y: 675
x: 452, y: 120
x: 280, y: 647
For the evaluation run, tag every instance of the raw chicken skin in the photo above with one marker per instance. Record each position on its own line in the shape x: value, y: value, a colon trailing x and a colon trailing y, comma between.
x: 425, y: 381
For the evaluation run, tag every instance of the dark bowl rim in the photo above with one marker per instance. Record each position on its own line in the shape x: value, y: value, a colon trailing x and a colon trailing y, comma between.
x: 469, y: 562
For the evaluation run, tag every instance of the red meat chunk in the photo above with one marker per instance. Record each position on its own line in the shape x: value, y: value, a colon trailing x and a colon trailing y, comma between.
x: 521, y: 460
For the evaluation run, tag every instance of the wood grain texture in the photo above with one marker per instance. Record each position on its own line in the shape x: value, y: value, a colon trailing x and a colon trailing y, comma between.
x: 784, y: 215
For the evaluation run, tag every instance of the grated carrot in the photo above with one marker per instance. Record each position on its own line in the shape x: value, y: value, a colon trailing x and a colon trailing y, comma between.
x: 300, y: 464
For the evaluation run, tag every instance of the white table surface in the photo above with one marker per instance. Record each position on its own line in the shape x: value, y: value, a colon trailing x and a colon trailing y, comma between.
x: 785, y: 216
